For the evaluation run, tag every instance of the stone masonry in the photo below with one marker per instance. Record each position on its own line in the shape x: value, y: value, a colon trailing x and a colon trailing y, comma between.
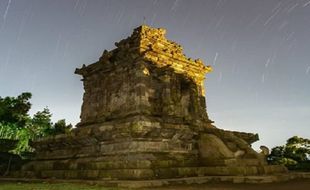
x: 144, y: 117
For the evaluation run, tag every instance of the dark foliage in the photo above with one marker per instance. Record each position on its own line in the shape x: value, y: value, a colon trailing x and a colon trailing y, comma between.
x: 16, y: 124
x: 15, y: 110
x: 295, y: 154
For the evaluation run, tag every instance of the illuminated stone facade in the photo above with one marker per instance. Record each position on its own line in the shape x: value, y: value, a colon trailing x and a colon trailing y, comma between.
x: 145, y: 75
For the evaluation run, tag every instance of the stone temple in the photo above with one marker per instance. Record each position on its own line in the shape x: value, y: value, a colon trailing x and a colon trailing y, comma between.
x: 144, y: 117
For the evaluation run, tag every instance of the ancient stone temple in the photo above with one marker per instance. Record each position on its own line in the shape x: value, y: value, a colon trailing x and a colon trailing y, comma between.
x: 144, y: 117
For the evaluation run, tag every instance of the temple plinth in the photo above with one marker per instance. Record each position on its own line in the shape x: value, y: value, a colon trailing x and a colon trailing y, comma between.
x: 144, y: 117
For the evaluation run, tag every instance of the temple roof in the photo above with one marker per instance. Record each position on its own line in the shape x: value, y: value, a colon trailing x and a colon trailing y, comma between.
x: 152, y: 45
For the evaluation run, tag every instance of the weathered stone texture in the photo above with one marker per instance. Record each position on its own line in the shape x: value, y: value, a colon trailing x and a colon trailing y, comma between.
x: 144, y: 117
x: 146, y: 74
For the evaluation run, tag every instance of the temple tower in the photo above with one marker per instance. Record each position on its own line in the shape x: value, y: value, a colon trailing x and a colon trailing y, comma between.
x: 146, y: 75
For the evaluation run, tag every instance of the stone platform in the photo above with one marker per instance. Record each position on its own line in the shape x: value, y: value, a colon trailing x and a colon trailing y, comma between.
x: 138, y: 148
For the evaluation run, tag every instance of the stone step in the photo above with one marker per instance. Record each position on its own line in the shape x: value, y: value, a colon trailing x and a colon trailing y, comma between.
x: 172, y: 181
x: 158, y: 173
x: 143, y: 161
x: 243, y: 162
x: 90, y: 164
x: 231, y: 162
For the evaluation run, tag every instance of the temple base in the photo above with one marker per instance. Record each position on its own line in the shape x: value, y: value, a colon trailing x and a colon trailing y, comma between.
x: 140, y: 148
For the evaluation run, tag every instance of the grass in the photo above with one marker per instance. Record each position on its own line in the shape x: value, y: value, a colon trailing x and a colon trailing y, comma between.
x: 50, y: 186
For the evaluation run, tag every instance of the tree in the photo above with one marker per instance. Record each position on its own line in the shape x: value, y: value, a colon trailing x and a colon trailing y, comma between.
x: 294, y: 155
x: 15, y: 110
x: 16, y: 124
x: 13, y: 121
x: 41, y: 123
x: 60, y: 127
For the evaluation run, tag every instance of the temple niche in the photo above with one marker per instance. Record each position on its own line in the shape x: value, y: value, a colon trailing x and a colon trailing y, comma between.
x: 144, y: 117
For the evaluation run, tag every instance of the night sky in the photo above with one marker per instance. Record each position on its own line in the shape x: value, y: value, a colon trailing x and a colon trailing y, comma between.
x: 259, y: 51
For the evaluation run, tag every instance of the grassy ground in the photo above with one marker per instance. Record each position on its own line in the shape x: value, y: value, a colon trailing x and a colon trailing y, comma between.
x: 296, y: 185
x: 50, y: 186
